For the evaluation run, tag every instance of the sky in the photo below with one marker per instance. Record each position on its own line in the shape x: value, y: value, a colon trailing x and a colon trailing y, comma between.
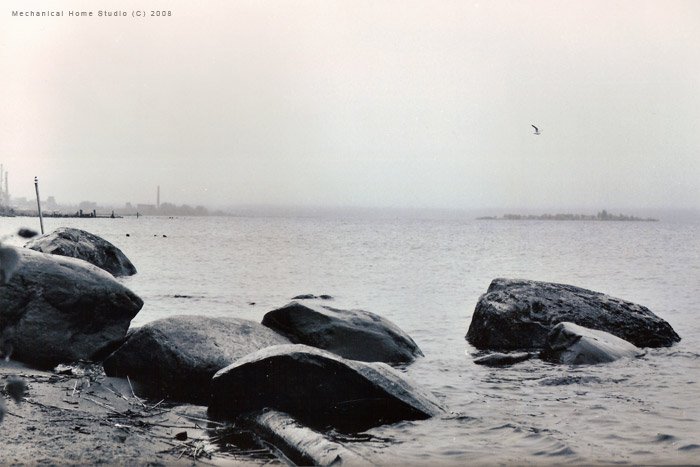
x: 364, y: 103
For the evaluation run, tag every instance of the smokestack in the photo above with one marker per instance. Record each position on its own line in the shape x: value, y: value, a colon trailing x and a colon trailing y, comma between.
x: 7, y: 188
x: 158, y: 197
x: 2, y: 169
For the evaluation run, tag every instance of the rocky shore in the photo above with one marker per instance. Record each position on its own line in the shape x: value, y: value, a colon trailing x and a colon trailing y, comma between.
x: 188, y: 388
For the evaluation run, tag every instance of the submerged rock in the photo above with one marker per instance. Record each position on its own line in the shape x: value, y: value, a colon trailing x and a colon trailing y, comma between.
x: 56, y: 309
x: 308, y: 296
x: 77, y: 243
x: 320, y: 389
x: 176, y: 357
x: 354, y: 334
x: 519, y: 314
x: 503, y: 359
x: 575, y: 345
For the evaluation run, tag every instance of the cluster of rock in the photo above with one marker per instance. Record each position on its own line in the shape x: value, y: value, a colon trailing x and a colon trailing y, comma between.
x: 240, y: 366
x: 562, y: 323
x: 327, y: 367
x: 324, y: 366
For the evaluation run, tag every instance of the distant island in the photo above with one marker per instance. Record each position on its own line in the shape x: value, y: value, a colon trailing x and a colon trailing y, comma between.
x: 601, y: 216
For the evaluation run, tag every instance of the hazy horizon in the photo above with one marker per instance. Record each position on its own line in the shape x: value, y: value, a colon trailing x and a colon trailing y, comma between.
x: 363, y: 104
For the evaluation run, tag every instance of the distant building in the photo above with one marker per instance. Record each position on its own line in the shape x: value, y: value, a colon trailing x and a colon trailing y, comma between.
x: 51, y: 203
x: 146, y: 208
x: 87, y: 206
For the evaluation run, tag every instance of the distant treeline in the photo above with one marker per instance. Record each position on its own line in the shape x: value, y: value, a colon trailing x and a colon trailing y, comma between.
x: 601, y: 216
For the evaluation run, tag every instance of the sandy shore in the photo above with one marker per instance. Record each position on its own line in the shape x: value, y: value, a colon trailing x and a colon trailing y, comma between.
x: 80, y: 416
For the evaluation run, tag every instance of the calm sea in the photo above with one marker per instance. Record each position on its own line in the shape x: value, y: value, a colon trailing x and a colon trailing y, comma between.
x: 426, y: 275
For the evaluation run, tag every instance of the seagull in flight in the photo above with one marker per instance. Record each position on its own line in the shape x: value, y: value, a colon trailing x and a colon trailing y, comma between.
x: 537, y: 130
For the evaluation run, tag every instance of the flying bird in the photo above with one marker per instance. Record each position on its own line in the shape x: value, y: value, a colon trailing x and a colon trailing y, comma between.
x: 537, y: 130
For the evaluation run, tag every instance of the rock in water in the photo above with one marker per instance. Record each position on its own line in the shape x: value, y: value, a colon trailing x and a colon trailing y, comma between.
x: 320, y: 389
x: 575, y: 345
x: 502, y: 359
x: 57, y: 309
x: 519, y: 314
x: 77, y: 243
x: 176, y: 357
x: 354, y: 334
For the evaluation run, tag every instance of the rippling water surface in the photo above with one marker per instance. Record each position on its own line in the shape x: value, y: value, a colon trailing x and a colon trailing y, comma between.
x: 426, y: 276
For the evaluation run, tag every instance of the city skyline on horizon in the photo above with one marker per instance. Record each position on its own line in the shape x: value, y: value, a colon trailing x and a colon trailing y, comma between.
x: 359, y: 104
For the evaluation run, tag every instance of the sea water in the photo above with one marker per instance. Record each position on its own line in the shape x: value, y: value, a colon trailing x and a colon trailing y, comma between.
x: 426, y: 275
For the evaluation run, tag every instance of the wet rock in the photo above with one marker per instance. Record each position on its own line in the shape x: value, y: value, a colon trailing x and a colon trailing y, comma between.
x: 309, y: 296
x: 27, y: 233
x: 354, y: 334
x: 176, y: 357
x: 77, y: 243
x: 306, y: 296
x: 575, y: 345
x: 320, y: 389
x: 519, y: 314
x: 503, y: 359
x: 57, y: 309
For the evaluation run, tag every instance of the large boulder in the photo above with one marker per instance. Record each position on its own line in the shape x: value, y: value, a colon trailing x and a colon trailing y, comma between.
x: 320, y: 389
x: 354, y: 334
x: 572, y: 344
x: 519, y: 314
x: 80, y: 244
x: 56, y: 309
x: 176, y: 357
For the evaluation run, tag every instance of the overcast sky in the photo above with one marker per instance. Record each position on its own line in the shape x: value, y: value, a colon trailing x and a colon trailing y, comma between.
x: 356, y: 103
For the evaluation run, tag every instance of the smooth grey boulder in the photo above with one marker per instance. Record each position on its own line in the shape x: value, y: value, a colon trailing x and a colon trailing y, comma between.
x: 176, y: 357
x: 77, y: 243
x: 320, y: 389
x: 519, y: 315
x: 572, y: 344
x: 354, y: 334
x: 502, y: 359
x: 56, y: 309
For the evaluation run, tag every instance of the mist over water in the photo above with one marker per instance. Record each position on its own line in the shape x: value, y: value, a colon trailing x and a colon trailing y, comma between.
x: 426, y: 275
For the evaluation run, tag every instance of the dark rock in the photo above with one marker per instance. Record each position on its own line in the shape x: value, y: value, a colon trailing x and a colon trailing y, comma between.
x: 16, y: 388
x: 354, y: 334
x: 77, y: 243
x: 306, y: 296
x: 572, y: 344
x: 320, y: 389
x: 176, y: 357
x: 57, y: 309
x: 503, y: 359
x: 309, y: 296
x: 27, y: 233
x: 519, y: 314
